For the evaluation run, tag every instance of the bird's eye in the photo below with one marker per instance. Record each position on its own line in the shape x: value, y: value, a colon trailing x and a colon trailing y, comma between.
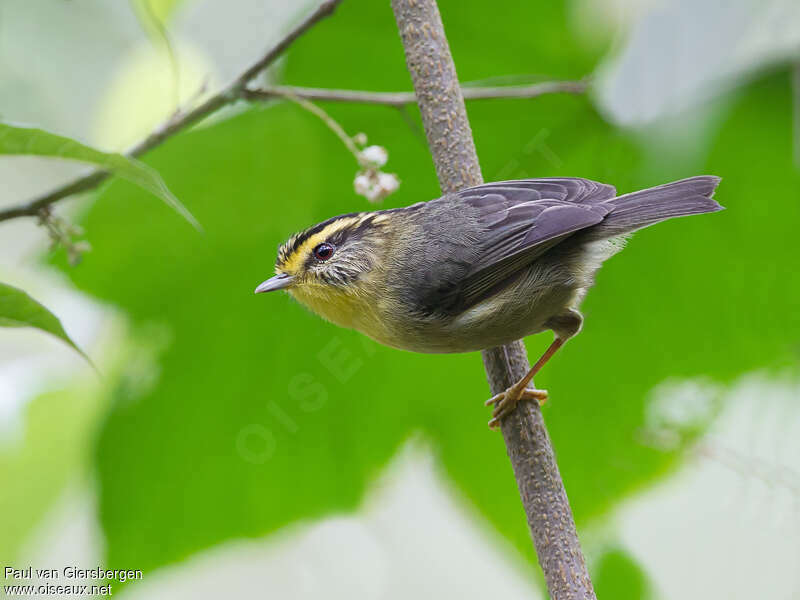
x: 323, y: 251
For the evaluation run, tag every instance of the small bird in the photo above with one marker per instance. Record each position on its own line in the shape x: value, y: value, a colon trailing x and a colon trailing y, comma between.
x: 478, y: 268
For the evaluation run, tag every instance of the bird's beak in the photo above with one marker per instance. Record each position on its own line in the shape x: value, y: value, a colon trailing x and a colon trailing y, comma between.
x: 279, y: 282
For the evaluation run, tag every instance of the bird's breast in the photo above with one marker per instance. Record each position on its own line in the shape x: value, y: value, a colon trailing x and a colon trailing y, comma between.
x: 345, y: 309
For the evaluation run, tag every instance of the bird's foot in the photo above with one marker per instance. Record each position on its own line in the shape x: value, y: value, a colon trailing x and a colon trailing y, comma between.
x: 505, y: 402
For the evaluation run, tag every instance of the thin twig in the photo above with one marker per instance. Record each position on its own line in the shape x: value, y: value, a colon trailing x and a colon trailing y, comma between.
x: 774, y: 475
x: 400, y: 99
x: 238, y: 90
x: 450, y: 140
x: 180, y: 120
x: 332, y: 124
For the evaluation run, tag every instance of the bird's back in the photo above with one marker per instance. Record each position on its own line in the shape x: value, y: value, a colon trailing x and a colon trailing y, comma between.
x: 493, y: 263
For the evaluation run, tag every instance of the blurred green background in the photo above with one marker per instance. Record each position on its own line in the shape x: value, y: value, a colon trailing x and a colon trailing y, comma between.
x: 220, y: 416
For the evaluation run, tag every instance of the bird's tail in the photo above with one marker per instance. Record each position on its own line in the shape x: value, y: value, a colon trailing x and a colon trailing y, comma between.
x: 633, y: 211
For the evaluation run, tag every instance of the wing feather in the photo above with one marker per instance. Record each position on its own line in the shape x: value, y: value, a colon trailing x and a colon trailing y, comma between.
x: 518, y: 222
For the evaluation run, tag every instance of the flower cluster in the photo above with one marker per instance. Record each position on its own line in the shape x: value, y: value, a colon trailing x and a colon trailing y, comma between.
x: 370, y: 181
x: 63, y: 234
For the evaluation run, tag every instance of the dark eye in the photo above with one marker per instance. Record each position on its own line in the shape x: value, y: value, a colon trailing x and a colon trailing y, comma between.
x: 323, y: 251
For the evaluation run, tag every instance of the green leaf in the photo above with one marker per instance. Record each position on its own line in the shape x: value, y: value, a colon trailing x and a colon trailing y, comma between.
x: 258, y: 395
x: 617, y: 575
x: 152, y: 16
x: 18, y: 309
x: 255, y: 394
x: 160, y: 10
x: 32, y: 141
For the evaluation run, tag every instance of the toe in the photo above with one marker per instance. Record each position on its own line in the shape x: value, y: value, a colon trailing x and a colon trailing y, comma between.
x: 529, y: 394
x: 495, y: 399
x: 503, y: 409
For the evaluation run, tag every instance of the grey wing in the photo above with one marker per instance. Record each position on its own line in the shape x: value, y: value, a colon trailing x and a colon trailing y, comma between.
x: 518, y: 221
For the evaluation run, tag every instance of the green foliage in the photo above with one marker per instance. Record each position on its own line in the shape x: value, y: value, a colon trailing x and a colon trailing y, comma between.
x: 18, y: 309
x: 156, y: 10
x: 263, y: 415
x: 153, y: 15
x: 617, y: 576
x: 32, y: 141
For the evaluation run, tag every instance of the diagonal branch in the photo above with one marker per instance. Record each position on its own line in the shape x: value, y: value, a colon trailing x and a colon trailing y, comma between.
x: 181, y: 120
x: 450, y: 140
x: 238, y: 90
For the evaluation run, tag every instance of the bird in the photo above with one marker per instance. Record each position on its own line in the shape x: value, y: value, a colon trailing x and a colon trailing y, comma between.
x: 477, y: 268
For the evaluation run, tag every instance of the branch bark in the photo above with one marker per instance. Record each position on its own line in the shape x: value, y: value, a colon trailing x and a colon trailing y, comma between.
x: 450, y: 140
x: 183, y: 120
x: 401, y: 99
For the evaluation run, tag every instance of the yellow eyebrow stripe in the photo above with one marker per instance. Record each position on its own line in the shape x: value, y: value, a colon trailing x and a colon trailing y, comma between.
x: 295, y: 260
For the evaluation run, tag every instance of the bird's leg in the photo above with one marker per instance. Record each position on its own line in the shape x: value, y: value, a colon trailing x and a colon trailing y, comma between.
x: 506, y: 401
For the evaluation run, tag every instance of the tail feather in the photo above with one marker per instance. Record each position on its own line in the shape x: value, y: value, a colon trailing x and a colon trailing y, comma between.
x: 633, y: 211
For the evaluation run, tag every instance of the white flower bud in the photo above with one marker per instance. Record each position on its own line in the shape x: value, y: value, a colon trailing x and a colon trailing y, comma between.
x: 362, y: 184
x: 360, y: 138
x: 388, y: 183
x: 375, y: 155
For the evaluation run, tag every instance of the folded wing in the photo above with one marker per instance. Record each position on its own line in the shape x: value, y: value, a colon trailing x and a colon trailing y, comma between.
x: 519, y: 221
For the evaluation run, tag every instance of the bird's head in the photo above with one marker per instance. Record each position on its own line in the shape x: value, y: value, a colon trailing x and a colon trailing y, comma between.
x: 328, y: 266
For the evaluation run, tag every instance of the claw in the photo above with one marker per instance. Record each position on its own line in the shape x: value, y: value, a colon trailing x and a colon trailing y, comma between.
x: 505, y: 402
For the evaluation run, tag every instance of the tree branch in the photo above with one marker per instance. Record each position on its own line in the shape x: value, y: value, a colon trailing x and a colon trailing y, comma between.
x: 401, y: 99
x: 180, y: 120
x: 238, y: 90
x: 450, y: 140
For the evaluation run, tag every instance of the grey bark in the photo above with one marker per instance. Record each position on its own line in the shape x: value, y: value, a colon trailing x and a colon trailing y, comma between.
x: 450, y: 140
x: 401, y: 99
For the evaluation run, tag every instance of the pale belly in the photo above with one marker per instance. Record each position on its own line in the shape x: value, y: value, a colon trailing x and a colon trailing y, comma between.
x: 496, y: 321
